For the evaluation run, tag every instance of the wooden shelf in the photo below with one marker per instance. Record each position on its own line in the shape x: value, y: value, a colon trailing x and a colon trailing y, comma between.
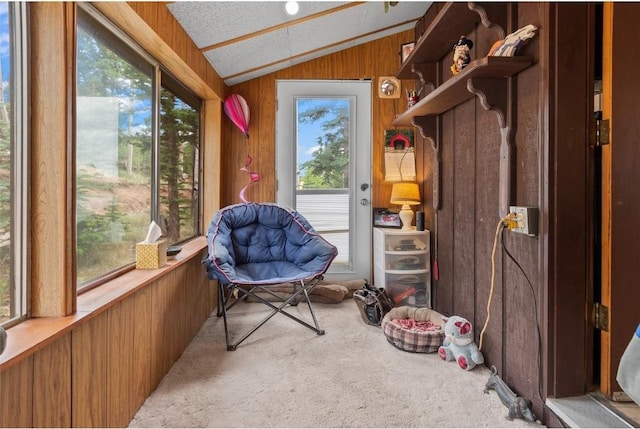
x: 486, y: 78
x: 454, y: 20
x: 456, y: 91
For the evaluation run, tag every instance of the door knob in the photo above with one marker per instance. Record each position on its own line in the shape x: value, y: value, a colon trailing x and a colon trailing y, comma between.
x: 364, y: 202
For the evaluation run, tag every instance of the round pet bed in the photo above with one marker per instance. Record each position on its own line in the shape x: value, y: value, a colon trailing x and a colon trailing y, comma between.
x: 414, y: 329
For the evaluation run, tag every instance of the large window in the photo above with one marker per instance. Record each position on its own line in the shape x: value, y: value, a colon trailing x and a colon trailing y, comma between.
x: 13, y: 166
x: 137, y: 141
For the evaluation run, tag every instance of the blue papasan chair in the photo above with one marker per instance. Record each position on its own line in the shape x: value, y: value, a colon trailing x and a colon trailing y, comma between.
x: 253, y: 246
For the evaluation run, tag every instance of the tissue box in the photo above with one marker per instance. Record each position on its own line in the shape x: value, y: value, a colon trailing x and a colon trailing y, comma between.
x: 151, y: 255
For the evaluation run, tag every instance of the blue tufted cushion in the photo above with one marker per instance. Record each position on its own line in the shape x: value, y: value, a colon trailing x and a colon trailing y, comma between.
x: 263, y: 243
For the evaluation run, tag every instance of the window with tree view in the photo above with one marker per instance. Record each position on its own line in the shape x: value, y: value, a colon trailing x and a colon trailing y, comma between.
x: 13, y: 155
x: 179, y: 172
x: 137, y: 145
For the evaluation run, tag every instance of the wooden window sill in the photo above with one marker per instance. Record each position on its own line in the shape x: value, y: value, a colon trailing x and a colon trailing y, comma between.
x: 35, y: 334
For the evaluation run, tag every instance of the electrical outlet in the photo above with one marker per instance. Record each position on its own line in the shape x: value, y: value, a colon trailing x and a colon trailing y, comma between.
x: 526, y: 219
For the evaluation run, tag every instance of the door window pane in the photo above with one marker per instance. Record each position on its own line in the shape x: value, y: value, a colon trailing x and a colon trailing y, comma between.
x: 322, y: 168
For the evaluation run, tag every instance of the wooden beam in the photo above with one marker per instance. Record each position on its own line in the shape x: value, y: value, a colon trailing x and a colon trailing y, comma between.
x: 52, y: 209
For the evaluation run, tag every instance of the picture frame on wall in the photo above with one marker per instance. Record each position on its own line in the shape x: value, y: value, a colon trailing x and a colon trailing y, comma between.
x: 386, y: 218
x: 405, y: 50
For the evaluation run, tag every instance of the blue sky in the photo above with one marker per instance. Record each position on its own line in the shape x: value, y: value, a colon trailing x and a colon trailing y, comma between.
x: 4, y: 45
x: 308, y: 133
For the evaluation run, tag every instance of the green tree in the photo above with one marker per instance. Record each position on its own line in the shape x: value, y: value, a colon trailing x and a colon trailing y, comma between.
x: 178, y: 142
x: 329, y: 166
x: 5, y: 214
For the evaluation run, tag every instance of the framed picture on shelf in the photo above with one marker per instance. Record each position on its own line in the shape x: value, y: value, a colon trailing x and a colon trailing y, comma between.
x: 405, y: 50
x: 386, y: 218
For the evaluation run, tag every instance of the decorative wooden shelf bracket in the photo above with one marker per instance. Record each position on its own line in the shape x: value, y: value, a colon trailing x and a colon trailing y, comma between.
x: 427, y: 127
x: 496, y: 11
x: 493, y: 95
x: 427, y: 75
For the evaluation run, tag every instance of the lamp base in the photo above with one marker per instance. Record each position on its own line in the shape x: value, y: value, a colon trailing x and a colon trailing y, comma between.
x: 406, y: 216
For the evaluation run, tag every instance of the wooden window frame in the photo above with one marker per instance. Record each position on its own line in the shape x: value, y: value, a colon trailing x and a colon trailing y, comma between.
x: 52, y: 35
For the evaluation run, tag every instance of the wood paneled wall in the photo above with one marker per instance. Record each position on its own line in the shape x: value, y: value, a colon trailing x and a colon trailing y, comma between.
x: 100, y: 373
x: 96, y: 367
x: 550, y: 104
x: 367, y: 61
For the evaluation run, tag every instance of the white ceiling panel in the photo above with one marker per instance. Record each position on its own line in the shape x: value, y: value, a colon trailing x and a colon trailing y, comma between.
x: 212, y: 22
x: 250, y: 53
x: 253, y: 38
x: 326, y: 30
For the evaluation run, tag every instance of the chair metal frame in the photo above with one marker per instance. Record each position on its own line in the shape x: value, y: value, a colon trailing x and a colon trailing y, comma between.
x: 226, y: 301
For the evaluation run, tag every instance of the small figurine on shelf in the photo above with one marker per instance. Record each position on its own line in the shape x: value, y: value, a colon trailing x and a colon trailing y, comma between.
x: 461, y: 54
x: 412, y: 97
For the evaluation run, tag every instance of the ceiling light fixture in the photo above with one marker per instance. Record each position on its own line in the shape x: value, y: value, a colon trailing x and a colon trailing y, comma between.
x: 291, y: 7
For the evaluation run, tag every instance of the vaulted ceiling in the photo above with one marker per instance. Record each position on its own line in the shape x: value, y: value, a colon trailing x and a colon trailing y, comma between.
x: 246, y: 39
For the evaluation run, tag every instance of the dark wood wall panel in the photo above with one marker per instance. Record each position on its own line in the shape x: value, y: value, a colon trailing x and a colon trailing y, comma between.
x: 424, y: 164
x: 520, y: 340
x: 486, y: 214
x: 464, y: 170
x: 567, y: 170
x: 521, y: 298
x: 445, y: 287
x: 470, y: 148
x: 486, y: 220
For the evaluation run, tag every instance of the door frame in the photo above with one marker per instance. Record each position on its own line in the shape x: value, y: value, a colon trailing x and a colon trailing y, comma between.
x: 360, y: 216
x: 621, y: 203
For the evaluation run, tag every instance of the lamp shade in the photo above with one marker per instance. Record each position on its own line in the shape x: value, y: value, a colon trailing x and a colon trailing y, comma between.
x: 405, y: 193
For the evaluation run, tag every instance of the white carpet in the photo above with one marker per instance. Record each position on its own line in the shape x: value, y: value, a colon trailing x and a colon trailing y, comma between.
x: 285, y: 375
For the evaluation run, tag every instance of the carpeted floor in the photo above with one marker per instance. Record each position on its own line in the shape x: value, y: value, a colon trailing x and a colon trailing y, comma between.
x: 287, y: 376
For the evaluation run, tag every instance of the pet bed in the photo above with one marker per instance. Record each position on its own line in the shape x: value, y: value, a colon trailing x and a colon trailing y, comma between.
x: 414, y: 329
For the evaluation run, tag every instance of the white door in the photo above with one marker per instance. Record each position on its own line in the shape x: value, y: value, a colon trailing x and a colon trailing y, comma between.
x: 323, y: 165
